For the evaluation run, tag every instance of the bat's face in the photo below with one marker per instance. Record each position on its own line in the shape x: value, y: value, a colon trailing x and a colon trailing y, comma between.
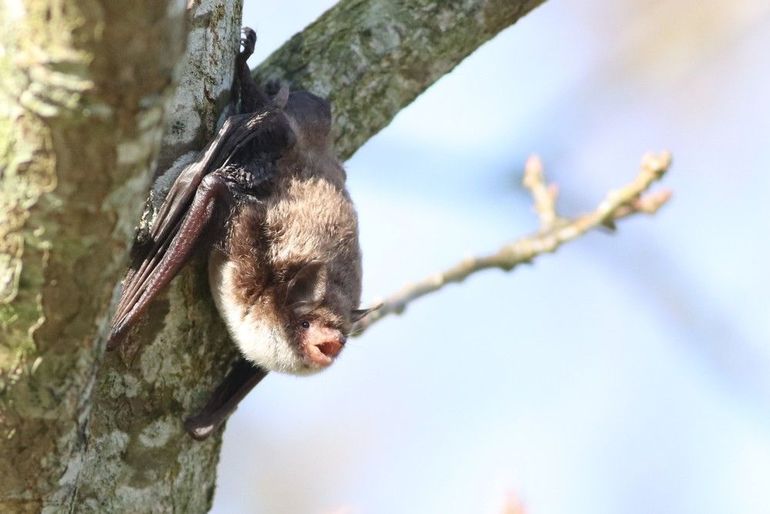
x: 301, y: 346
x: 290, y: 329
x: 317, y: 342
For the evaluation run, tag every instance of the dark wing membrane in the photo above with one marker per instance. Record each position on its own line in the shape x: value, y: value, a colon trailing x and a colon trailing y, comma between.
x: 267, y: 131
x: 241, y: 379
x: 189, y: 206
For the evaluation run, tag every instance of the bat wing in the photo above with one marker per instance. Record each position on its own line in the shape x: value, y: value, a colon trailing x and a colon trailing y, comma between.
x: 241, y: 379
x: 191, y: 203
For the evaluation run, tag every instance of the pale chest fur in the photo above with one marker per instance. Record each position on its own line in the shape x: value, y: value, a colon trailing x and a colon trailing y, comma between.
x: 261, y: 338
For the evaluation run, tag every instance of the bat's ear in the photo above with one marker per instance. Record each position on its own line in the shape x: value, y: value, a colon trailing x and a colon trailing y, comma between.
x: 278, y: 92
x: 312, y: 115
x: 281, y: 97
x: 306, y: 290
x: 357, y: 315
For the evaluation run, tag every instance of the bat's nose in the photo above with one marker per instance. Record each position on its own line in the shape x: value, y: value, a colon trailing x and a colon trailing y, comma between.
x: 323, y: 352
x: 331, y: 348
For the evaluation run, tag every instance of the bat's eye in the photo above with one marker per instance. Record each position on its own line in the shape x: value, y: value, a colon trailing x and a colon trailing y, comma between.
x: 305, y: 324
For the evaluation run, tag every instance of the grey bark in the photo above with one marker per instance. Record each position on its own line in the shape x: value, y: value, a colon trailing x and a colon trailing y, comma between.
x: 86, y: 94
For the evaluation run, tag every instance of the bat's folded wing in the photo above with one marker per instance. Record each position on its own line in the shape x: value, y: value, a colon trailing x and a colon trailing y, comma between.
x: 190, y: 204
x: 267, y: 132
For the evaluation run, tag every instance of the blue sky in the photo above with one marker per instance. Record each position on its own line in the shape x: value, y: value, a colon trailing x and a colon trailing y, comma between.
x: 626, y: 373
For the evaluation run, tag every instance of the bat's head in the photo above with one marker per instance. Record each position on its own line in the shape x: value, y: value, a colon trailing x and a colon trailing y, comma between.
x: 318, y: 318
x: 300, y: 327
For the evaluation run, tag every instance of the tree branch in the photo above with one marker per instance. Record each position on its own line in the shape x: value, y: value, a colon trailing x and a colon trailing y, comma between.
x: 81, y: 114
x: 554, y: 231
x: 372, y: 58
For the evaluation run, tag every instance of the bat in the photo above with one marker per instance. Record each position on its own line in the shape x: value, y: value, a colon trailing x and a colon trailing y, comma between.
x: 266, y: 199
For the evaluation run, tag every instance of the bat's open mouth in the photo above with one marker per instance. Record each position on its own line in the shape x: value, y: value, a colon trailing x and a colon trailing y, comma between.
x: 322, y: 354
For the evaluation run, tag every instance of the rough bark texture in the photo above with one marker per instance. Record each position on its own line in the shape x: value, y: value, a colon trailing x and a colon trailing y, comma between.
x: 82, y: 115
x: 137, y: 458
x: 84, y: 86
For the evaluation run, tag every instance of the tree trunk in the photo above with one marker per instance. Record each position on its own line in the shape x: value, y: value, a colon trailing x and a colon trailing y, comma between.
x: 88, y: 88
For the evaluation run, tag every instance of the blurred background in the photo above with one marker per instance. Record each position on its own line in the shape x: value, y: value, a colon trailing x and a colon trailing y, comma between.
x: 628, y: 373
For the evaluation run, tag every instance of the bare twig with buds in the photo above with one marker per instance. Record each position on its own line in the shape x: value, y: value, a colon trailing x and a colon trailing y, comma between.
x: 554, y: 230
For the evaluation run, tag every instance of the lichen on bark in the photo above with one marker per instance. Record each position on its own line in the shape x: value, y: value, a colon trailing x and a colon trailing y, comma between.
x: 68, y: 104
x: 137, y: 457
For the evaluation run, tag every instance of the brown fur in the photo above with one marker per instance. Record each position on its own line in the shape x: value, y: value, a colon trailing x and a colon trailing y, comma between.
x: 307, y: 219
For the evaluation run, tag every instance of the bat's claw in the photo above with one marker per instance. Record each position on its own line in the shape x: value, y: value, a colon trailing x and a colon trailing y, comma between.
x: 116, y: 336
x: 248, y: 41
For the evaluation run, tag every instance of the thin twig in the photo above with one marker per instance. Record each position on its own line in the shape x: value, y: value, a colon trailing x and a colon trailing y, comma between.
x: 544, y: 196
x: 554, y: 231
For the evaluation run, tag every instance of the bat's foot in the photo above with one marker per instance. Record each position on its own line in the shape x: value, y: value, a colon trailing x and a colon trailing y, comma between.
x: 248, y: 41
x: 239, y: 381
